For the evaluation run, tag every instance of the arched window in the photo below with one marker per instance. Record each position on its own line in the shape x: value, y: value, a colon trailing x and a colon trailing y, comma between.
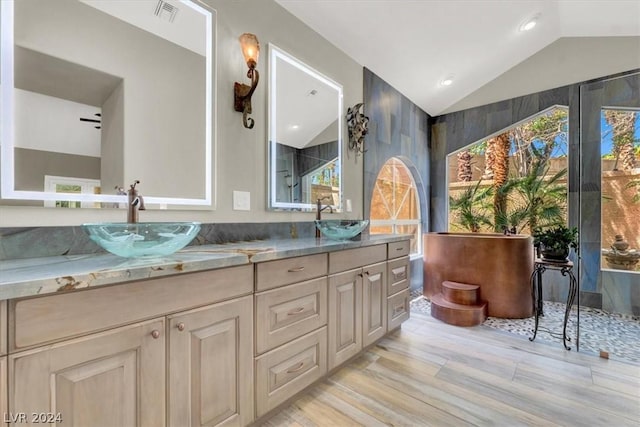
x: 395, y: 207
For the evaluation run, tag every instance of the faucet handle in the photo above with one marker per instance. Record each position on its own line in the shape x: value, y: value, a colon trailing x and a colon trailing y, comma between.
x: 133, y: 186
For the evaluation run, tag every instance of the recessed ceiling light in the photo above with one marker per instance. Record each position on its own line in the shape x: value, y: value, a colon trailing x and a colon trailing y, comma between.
x: 528, y: 25
x: 294, y: 127
x: 446, y: 82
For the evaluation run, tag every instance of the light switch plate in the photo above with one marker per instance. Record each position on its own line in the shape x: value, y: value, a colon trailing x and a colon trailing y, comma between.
x: 349, y: 208
x: 241, y: 201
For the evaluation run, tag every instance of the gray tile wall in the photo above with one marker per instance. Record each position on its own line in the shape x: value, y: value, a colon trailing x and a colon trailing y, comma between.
x: 454, y: 131
x: 397, y: 128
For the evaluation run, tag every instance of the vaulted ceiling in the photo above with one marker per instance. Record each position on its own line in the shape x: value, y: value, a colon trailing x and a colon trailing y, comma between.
x: 416, y: 44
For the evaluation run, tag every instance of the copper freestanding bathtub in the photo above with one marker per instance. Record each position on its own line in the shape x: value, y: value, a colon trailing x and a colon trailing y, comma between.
x: 501, y: 265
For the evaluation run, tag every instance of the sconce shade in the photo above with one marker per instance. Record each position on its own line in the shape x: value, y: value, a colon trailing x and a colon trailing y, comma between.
x: 242, y: 93
x: 250, y: 49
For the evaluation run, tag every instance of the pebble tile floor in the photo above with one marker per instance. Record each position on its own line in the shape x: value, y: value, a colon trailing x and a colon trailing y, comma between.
x: 619, y: 335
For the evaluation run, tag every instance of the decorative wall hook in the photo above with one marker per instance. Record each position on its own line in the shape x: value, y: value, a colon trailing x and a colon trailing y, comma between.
x: 357, y: 124
x: 242, y: 93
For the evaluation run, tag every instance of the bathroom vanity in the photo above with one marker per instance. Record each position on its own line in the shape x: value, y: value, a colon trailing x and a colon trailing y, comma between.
x: 217, y: 335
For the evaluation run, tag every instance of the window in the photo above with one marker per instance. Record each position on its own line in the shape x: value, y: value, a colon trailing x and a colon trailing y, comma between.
x: 63, y: 184
x: 395, y: 207
x: 620, y: 149
x: 514, y: 179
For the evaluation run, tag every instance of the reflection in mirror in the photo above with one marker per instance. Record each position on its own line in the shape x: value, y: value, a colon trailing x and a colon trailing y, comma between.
x: 97, y: 94
x: 620, y: 149
x: 305, y: 135
x: 515, y: 180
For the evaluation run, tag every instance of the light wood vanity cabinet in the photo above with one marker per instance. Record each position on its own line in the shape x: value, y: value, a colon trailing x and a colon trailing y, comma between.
x: 110, y: 378
x: 117, y: 376
x: 291, y: 336
x: 345, y: 314
x: 4, y: 400
x: 3, y: 327
x: 216, y: 348
x: 289, y: 369
x: 357, y: 301
x: 374, y: 299
x: 211, y: 365
x: 398, y: 290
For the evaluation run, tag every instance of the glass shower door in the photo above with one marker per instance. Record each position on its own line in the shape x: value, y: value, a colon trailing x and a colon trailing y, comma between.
x: 609, y: 212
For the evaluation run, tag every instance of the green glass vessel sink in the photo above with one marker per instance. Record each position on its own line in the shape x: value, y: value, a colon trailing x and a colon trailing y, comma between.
x: 341, y: 229
x: 145, y: 239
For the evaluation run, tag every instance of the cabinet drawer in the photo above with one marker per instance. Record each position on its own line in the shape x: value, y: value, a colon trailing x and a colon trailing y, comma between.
x: 398, y: 249
x: 286, y: 313
x: 397, y: 275
x: 35, y: 321
x: 354, y: 258
x: 273, y: 274
x: 287, y: 370
x: 397, y: 309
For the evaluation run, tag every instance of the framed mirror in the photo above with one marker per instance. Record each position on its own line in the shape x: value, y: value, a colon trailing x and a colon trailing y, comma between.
x: 305, y: 135
x: 97, y: 94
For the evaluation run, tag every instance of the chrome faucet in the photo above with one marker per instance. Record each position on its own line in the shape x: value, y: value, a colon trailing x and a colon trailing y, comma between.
x: 319, y: 209
x: 135, y: 203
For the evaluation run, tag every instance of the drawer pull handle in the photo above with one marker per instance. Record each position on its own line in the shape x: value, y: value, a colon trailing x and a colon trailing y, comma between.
x: 295, y: 311
x: 398, y: 309
x: 399, y: 249
x: 296, y: 269
x: 155, y: 334
x: 296, y: 368
x: 180, y: 326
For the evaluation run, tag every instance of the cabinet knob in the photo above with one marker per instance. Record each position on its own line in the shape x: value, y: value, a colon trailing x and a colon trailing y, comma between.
x: 155, y: 334
x: 180, y: 326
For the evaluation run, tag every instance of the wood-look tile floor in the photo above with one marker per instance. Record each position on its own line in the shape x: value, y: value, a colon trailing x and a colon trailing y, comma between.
x: 433, y: 374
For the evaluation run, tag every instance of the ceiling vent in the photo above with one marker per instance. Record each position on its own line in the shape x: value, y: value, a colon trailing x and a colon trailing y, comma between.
x: 166, y: 11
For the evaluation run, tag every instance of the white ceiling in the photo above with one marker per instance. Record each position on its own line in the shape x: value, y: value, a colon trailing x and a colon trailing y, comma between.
x: 415, y: 44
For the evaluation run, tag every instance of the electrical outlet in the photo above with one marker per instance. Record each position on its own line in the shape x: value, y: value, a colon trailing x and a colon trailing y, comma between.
x: 241, y: 201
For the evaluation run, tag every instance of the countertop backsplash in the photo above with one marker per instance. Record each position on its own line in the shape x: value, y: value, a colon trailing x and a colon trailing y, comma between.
x: 36, y: 242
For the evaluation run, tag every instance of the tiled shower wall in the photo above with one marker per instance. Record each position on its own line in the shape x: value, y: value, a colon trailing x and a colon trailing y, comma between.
x: 397, y: 128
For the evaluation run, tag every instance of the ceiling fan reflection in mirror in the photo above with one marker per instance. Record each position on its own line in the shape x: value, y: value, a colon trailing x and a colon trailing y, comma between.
x: 84, y: 119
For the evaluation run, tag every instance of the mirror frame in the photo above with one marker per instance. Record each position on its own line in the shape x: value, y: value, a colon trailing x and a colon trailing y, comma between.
x: 275, y: 53
x: 7, y: 132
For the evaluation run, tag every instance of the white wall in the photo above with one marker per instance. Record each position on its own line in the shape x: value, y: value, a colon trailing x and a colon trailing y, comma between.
x: 241, y: 153
x: 52, y: 124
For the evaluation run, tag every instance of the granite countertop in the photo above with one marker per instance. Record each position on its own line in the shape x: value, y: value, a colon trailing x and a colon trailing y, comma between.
x: 40, y: 276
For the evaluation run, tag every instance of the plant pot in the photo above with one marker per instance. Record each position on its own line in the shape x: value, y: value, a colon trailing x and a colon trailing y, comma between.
x: 554, y: 255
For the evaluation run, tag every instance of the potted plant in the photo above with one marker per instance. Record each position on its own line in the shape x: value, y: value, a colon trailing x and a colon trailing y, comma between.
x: 554, y: 243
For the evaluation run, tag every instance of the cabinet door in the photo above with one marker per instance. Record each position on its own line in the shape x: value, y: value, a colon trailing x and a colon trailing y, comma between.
x: 3, y: 387
x: 345, y: 316
x: 211, y: 365
x: 111, y: 378
x: 374, y: 309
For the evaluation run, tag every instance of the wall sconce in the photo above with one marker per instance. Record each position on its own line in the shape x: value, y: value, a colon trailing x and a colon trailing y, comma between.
x: 357, y: 124
x: 242, y: 93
